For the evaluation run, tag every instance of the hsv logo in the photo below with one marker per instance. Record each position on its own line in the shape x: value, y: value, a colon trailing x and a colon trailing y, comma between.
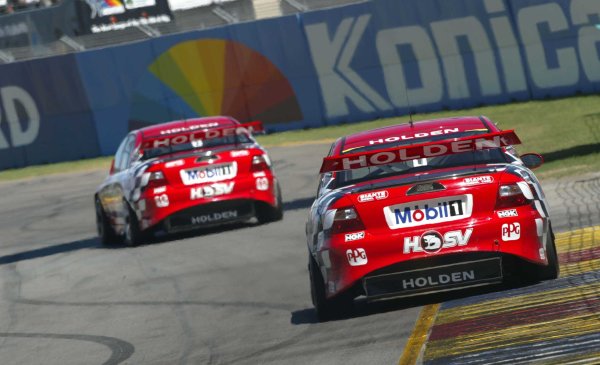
x: 429, y: 211
x: 209, y: 191
x: 356, y: 257
x: 432, y: 241
x: 354, y: 236
x: 375, y: 195
x: 511, y: 231
x: 508, y: 213
x: 478, y: 180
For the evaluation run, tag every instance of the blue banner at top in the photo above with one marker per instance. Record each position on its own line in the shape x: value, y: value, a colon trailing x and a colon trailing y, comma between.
x: 370, y: 60
x: 391, y: 56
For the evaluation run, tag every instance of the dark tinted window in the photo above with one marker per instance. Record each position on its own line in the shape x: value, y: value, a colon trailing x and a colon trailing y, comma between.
x: 197, y: 145
x: 488, y: 156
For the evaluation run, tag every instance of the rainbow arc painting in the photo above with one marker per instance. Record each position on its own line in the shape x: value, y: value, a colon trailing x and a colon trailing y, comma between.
x: 213, y: 77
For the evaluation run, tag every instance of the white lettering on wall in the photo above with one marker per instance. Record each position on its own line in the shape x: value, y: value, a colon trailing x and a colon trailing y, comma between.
x: 567, y: 72
x: 22, y: 132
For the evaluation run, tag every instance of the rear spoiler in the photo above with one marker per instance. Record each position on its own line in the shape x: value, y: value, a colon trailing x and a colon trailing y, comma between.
x: 190, y: 134
x: 417, y: 151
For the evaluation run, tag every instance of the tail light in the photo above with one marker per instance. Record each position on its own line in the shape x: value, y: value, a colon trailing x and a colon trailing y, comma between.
x: 156, y: 179
x: 511, y: 195
x: 346, y: 220
x: 260, y: 163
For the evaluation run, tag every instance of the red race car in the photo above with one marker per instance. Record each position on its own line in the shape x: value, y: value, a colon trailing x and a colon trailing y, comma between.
x: 186, y: 175
x: 426, y: 207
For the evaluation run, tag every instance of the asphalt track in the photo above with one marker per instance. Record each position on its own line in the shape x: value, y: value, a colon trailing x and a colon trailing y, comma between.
x: 237, y: 295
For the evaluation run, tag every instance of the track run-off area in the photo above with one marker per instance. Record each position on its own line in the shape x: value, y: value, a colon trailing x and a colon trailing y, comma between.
x: 240, y: 294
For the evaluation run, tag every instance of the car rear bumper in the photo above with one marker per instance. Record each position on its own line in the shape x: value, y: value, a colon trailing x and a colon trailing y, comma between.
x: 179, y: 209
x: 209, y: 215
x: 428, y: 276
x: 348, y: 260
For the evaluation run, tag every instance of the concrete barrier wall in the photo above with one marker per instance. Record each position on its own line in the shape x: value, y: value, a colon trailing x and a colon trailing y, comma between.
x: 375, y: 59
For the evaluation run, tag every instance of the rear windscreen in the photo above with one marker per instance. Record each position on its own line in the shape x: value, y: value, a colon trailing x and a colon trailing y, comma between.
x: 487, y: 156
x: 382, y: 146
x: 203, y: 144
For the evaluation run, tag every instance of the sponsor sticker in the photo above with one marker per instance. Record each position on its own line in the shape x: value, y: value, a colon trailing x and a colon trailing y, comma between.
x: 240, y: 153
x: 211, y: 173
x: 413, y: 136
x: 162, y: 189
x: 511, y: 231
x: 262, y: 184
x: 354, y: 236
x: 175, y: 163
x: 259, y: 174
x: 214, y: 217
x: 372, y: 196
x: 429, y: 211
x: 507, y: 213
x: 189, y: 128
x: 357, y: 257
x: 451, y: 275
x: 440, y: 279
x: 209, y: 191
x: 478, y: 180
x: 162, y: 201
x: 432, y: 241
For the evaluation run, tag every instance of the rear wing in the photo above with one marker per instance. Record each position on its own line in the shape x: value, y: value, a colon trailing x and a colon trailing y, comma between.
x: 191, y: 134
x: 418, y: 151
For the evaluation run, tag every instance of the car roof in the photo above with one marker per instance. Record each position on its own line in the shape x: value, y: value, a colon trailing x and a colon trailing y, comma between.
x: 178, y: 126
x: 413, y: 132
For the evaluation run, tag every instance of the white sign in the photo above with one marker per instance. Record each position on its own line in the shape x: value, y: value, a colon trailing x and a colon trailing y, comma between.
x: 429, y: 211
x: 511, y: 231
x: 356, y: 257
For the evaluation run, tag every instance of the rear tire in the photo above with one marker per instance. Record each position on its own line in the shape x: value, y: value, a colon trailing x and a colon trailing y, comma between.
x: 326, y: 309
x: 134, y: 236
x: 266, y: 213
x: 552, y: 271
x: 106, y: 232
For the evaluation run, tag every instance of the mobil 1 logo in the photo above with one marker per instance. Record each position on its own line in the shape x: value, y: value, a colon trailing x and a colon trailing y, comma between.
x: 430, y: 211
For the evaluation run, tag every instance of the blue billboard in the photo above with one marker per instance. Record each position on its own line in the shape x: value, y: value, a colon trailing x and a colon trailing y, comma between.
x: 370, y: 60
